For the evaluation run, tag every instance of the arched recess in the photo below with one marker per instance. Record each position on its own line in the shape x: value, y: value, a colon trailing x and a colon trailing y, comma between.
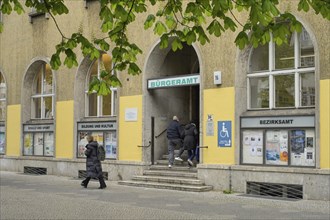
x: 242, y: 102
x: 184, y: 102
x: 103, y: 111
x: 27, y: 87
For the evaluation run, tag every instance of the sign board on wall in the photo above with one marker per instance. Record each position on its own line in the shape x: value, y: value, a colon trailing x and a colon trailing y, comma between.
x: 224, y: 134
x: 131, y: 114
x: 38, y: 128
x: 209, y: 125
x: 187, y: 80
x: 97, y: 126
x: 278, y: 122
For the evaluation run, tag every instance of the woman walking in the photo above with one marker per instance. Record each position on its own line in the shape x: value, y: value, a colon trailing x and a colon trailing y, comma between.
x: 93, y: 164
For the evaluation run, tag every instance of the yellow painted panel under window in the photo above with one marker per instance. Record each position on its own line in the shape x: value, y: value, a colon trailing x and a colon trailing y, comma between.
x: 130, y: 132
x: 325, y: 124
x: 221, y: 104
x: 64, y: 129
x: 13, y: 132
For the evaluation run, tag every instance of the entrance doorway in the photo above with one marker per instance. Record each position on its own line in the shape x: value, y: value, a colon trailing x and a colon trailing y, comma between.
x: 174, y: 97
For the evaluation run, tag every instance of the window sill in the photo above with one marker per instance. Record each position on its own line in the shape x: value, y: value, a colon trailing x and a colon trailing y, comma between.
x: 279, y: 112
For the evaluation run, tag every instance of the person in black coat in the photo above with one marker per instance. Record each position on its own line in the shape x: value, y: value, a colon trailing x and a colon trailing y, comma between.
x: 190, y: 141
x: 93, y: 164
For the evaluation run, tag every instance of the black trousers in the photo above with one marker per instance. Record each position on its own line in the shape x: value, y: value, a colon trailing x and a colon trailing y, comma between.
x: 101, y: 180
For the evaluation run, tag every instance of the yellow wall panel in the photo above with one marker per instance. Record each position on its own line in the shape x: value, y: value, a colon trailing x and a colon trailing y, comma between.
x: 221, y: 104
x: 13, y: 133
x: 130, y: 132
x: 64, y: 129
x: 325, y: 124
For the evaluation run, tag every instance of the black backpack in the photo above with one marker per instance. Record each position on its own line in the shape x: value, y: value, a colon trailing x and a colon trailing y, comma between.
x: 100, y: 152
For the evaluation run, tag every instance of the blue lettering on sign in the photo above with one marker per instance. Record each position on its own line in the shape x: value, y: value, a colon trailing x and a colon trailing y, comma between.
x: 224, y: 134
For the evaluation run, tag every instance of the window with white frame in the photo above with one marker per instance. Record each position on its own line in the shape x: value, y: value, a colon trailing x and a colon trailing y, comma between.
x: 3, y: 105
x: 2, y: 98
x: 98, y: 106
x: 43, y: 94
x: 282, y: 76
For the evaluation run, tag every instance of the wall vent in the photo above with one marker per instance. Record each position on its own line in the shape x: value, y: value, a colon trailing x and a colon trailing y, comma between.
x: 35, y: 170
x: 275, y: 190
x: 82, y: 174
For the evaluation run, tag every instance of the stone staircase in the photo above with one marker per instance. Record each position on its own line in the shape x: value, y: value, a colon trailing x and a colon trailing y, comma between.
x: 179, y: 177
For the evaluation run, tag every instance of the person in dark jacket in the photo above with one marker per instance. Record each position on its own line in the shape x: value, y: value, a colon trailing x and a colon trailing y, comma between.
x: 174, y: 139
x: 190, y: 141
x: 93, y: 164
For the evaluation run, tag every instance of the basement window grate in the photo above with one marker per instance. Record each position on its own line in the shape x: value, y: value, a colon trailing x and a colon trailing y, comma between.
x: 35, y: 170
x: 275, y: 190
x: 82, y: 174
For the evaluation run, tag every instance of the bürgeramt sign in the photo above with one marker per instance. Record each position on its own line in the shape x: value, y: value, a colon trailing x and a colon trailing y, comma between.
x: 187, y: 80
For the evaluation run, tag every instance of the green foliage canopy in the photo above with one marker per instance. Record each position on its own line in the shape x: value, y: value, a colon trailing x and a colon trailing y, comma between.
x: 181, y: 21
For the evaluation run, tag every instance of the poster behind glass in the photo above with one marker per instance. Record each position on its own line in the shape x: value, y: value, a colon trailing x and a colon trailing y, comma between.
x: 2, y: 142
x: 302, y: 148
x: 28, y: 144
x: 49, y: 143
x: 110, y: 142
x: 98, y: 137
x: 38, y: 144
x: 82, y: 142
x: 253, y: 146
x: 276, y: 147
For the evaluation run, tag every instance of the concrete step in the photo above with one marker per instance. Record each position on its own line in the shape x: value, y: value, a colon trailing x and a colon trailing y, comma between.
x: 170, y: 180
x: 166, y: 186
x: 169, y: 173
x: 176, y: 162
x: 174, y: 168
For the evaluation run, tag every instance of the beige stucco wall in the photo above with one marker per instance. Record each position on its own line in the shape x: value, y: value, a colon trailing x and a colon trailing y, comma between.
x: 22, y: 41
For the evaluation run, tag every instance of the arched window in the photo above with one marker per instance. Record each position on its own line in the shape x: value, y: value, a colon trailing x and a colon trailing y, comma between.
x: 98, y: 106
x: 3, y: 105
x: 42, y: 106
x: 282, y: 76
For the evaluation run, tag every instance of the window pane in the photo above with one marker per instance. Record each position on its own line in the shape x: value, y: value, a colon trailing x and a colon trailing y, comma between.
x: 48, y: 103
x: 106, y: 63
x: 93, y: 71
x: 259, y: 91
x: 284, y: 91
x: 82, y: 142
x: 306, y: 50
x: 2, y: 110
x: 28, y: 143
x: 92, y: 104
x: 284, y: 54
x: 110, y: 141
x: 36, y: 105
x: 277, y: 147
x: 2, y: 142
x: 48, y: 80
x: 37, y: 82
x: 302, y: 147
x: 106, y: 104
x: 38, y: 144
x: 259, y: 59
x: 252, y: 146
x: 49, y: 144
x: 2, y: 87
x: 307, y: 91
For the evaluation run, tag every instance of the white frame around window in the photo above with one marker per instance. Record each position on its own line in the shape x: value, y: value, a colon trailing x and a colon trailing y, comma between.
x: 3, y: 100
x: 42, y: 96
x: 99, y: 98
x: 272, y: 73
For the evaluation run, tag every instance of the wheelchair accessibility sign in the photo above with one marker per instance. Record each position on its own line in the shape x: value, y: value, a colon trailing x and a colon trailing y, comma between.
x: 224, y: 133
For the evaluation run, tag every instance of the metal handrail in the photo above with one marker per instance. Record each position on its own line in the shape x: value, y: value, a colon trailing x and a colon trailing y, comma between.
x: 202, y: 146
x: 161, y: 133
x: 145, y: 145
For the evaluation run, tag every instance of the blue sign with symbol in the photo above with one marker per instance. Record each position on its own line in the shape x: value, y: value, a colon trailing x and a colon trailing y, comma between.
x: 224, y: 133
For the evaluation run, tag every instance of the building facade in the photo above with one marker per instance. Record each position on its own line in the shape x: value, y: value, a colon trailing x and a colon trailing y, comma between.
x: 263, y: 113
